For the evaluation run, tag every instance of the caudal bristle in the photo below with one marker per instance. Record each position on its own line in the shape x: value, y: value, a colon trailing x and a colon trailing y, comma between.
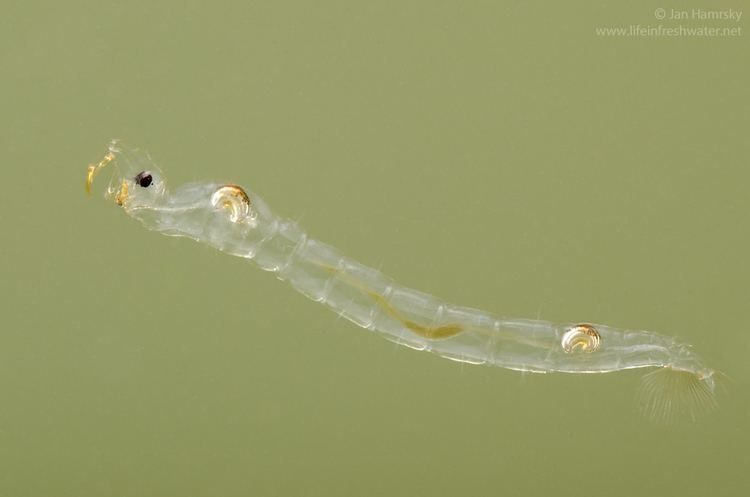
x: 668, y: 395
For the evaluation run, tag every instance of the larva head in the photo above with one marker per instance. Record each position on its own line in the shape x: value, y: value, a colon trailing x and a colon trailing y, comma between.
x: 135, y: 181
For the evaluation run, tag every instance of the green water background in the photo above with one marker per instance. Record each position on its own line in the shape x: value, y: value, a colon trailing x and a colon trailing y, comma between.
x: 500, y: 155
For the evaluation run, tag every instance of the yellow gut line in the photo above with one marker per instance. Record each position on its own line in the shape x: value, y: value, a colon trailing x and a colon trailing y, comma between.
x: 433, y: 333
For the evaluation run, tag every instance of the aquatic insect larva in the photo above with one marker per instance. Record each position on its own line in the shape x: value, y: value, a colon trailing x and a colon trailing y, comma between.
x: 237, y: 221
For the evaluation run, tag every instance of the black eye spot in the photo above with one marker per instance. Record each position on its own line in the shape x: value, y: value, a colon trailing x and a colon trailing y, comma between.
x: 144, y: 179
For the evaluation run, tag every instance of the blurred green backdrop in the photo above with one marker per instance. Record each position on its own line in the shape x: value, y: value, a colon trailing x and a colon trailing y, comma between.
x: 498, y: 154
